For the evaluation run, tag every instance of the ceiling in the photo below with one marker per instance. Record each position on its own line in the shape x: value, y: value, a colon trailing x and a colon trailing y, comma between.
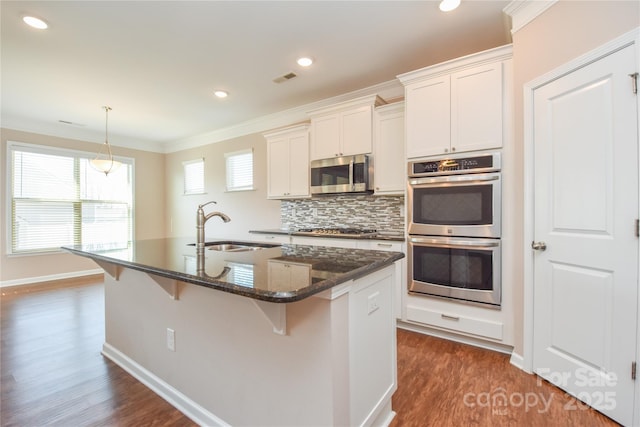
x: 157, y: 63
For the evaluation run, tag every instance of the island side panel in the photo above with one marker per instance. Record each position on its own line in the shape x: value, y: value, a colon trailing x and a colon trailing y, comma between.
x: 373, y: 348
x: 227, y: 358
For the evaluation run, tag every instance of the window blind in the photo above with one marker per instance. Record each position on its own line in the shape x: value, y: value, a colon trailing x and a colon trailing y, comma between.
x: 57, y: 199
x: 194, y: 176
x: 239, y: 170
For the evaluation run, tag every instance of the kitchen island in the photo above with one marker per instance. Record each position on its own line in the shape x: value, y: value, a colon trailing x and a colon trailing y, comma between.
x: 275, y: 335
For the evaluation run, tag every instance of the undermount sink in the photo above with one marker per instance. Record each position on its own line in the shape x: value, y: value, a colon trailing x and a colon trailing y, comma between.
x: 231, y: 246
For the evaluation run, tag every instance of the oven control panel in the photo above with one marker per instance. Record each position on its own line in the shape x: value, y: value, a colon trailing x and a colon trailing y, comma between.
x: 455, y: 165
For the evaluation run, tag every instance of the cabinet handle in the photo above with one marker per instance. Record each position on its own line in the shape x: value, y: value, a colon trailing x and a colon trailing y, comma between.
x: 384, y: 245
x: 270, y: 237
x: 446, y: 150
x: 453, y: 148
x: 446, y: 316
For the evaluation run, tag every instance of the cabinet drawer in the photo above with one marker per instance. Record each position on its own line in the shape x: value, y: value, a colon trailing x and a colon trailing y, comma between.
x: 324, y: 241
x: 380, y: 246
x: 455, y: 322
x: 282, y: 239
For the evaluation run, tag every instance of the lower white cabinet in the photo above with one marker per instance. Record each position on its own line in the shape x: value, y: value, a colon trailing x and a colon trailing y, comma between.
x: 455, y: 319
x: 400, y: 287
x: 322, y: 241
x: 281, y: 239
x: 400, y: 266
x: 451, y: 320
x: 283, y: 273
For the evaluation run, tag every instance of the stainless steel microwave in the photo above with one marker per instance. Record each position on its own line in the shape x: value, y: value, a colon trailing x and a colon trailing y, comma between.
x: 347, y: 174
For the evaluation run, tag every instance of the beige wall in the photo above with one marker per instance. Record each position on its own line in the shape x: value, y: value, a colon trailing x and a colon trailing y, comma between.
x: 149, y: 207
x: 248, y: 210
x: 565, y: 31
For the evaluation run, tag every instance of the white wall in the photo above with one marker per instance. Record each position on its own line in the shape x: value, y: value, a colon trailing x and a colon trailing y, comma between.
x: 248, y: 210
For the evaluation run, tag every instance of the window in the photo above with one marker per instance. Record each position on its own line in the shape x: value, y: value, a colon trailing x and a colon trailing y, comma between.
x: 194, y: 176
x: 56, y: 198
x: 239, y: 170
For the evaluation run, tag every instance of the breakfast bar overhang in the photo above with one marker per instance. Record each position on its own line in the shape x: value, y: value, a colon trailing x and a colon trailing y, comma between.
x: 275, y: 335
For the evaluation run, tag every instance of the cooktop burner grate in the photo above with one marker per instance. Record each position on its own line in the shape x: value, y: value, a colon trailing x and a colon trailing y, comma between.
x: 338, y: 231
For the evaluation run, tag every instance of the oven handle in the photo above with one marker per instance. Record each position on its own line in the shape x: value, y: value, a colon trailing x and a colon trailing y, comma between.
x: 458, y: 243
x: 466, y: 179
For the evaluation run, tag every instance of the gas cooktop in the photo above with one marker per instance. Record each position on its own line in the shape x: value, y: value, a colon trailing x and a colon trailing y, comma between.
x: 351, y: 232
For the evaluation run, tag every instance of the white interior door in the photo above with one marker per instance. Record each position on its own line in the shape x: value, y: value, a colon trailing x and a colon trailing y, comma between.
x: 586, y: 206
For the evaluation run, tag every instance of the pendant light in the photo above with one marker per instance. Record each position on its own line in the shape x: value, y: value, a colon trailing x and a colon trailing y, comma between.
x: 103, y: 161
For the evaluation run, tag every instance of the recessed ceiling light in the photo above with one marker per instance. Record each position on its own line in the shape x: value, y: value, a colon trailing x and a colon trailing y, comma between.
x: 304, y: 61
x: 449, y: 5
x: 34, y: 22
x: 221, y: 93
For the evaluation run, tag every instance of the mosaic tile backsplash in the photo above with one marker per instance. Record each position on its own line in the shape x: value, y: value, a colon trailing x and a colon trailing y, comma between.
x: 382, y: 213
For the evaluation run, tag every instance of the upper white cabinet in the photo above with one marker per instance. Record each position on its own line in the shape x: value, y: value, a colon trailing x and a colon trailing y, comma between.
x: 459, y: 105
x: 389, y: 176
x: 343, y: 129
x: 288, y: 162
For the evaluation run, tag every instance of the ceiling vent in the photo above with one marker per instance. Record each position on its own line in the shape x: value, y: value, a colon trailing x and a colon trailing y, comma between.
x: 284, y: 78
x: 67, y: 122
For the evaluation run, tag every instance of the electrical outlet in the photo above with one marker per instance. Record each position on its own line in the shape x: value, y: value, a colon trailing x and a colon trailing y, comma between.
x: 171, y: 339
x: 372, y: 302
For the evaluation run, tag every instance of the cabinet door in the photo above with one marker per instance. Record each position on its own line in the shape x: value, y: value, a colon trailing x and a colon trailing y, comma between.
x: 278, y: 168
x: 390, y: 174
x: 476, y: 108
x: 324, y: 241
x: 283, y: 276
x: 325, y: 137
x: 356, y: 131
x: 428, y: 121
x: 299, y: 165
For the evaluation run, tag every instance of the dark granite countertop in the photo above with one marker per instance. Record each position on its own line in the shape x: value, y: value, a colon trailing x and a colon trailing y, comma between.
x: 381, y: 235
x: 255, y: 274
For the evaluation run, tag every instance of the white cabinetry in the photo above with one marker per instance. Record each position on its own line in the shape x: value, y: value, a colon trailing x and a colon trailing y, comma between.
x: 343, y: 129
x: 282, y: 239
x: 400, y: 267
x: 459, y: 105
x: 390, y: 174
x: 453, y: 319
x: 322, y: 241
x: 282, y: 274
x: 400, y: 287
x: 288, y: 163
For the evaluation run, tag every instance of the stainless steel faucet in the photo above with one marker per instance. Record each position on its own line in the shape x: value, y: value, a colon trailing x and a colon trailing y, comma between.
x: 200, y: 222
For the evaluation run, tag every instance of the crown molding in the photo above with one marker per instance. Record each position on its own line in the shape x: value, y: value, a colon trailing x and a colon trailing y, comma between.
x: 387, y: 90
x: 524, y: 11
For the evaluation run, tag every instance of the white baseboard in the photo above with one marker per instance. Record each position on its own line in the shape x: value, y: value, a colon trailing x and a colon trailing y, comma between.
x: 40, y: 279
x: 463, y: 339
x: 191, y: 409
x: 517, y: 361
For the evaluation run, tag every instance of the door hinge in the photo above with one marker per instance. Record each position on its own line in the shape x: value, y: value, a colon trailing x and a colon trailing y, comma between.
x: 633, y: 370
x: 634, y: 82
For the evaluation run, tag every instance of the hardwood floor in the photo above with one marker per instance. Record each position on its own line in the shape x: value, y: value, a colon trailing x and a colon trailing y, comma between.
x: 52, y: 373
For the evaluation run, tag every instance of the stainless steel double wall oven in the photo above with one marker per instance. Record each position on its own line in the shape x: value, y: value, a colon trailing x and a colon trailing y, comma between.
x: 454, y: 206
